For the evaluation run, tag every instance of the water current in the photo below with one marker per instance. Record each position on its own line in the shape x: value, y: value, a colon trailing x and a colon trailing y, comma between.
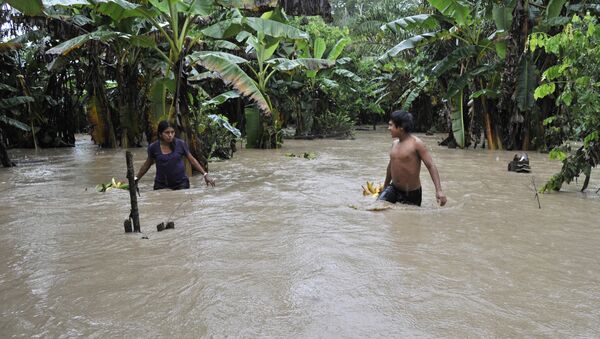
x: 289, y: 247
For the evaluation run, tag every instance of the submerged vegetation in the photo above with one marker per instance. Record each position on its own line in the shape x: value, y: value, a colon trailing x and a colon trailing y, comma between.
x: 503, y: 74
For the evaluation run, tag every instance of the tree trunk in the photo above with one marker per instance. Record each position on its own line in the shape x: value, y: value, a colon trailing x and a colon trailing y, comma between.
x: 182, y: 116
x: 98, y: 90
x: 487, y: 119
x: 129, y: 106
x: 507, y: 107
x: 4, y: 159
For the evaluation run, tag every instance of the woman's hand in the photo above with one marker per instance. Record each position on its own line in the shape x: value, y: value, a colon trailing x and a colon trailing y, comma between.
x: 209, y: 180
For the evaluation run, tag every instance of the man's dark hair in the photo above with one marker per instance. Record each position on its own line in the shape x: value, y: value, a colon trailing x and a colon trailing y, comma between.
x: 402, y: 119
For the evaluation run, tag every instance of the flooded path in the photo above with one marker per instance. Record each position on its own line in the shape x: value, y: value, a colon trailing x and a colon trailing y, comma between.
x: 287, y: 247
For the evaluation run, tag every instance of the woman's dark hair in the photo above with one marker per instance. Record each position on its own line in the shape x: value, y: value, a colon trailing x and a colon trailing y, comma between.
x: 162, y: 126
x: 402, y: 119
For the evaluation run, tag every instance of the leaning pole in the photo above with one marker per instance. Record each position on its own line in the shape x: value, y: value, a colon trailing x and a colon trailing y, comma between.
x: 134, y: 215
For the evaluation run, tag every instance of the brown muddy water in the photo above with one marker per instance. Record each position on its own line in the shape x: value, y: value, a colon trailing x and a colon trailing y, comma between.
x: 288, y: 248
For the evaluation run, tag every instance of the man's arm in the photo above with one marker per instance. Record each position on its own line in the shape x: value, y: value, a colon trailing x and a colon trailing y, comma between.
x: 388, y: 175
x: 433, y: 172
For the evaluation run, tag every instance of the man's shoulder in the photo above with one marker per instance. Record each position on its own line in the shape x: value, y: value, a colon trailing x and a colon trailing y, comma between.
x: 416, y: 138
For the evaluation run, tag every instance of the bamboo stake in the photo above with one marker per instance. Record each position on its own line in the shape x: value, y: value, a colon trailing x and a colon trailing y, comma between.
x: 537, y: 196
x: 134, y: 215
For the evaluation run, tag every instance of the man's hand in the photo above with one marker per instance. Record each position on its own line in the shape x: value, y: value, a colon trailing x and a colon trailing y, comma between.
x: 209, y: 180
x: 441, y: 198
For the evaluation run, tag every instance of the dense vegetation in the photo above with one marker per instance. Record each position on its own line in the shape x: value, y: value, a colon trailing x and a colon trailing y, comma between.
x: 518, y: 74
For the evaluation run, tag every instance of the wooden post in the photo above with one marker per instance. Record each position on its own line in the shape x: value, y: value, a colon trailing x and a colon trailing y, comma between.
x: 135, y: 217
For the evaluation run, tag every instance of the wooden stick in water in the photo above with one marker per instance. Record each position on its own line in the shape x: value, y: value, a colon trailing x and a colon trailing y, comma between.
x: 134, y: 215
x: 537, y: 196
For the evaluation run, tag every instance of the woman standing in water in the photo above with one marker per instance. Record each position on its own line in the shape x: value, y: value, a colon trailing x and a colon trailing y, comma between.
x: 168, y: 152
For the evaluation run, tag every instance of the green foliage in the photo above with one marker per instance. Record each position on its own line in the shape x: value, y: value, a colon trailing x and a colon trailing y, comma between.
x: 217, y: 135
x: 573, y: 82
x: 334, y: 124
x: 558, y: 154
x: 305, y: 155
x: 526, y: 83
x: 113, y: 184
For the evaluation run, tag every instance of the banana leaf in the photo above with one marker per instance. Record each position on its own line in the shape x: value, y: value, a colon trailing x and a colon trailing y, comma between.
x: 310, y: 64
x: 196, y: 56
x: 303, y: 49
x: 72, y: 44
x: 158, y: 89
x: 113, y: 184
x: 14, y: 123
x: 404, y: 45
x: 411, y: 94
x: 502, y: 16
x: 458, y: 124
x: 144, y: 41
x: 221, y: 98
x: 5, y: 87
x: 486, y: 92
x: 121, y: 9
x: 253, y: 127
x: 347, y: 74
x: 28, y: 7
x: 222, y: 44
x: 275, y: 29
x: 229, y: 28
x: 263, y: 49
x: 232, y: 74
x: 224, y: 29
x: 15, y: 101
x: 424, y: 21
x: 328, y: 83
x: 454, y: 9
x: 338, y: 48
x: 452, y: 59
x: 65, y: 3
x: 223, y: 122
x: 554, y: 8
x: 195, y: 76
x: 196, y: 7
x: 526, y: 84
x: 319, y: 48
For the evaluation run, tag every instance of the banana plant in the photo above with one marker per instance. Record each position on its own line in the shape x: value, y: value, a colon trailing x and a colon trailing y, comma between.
x: 7, y: 105
x: 477, y: 55
x: 263, y: 37
x: 470, y: 50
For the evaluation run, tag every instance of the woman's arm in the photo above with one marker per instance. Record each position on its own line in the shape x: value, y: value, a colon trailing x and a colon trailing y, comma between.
x: 145, y: 167
x: 196, y: 165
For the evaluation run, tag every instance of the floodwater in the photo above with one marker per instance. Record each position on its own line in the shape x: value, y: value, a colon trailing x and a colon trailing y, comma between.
x: 290, y: 248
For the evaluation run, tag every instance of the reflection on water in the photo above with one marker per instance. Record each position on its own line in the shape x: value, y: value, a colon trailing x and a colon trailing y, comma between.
x: 289, y: 247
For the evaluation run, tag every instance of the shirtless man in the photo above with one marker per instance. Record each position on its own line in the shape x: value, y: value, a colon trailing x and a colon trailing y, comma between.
x: 402, y: 183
